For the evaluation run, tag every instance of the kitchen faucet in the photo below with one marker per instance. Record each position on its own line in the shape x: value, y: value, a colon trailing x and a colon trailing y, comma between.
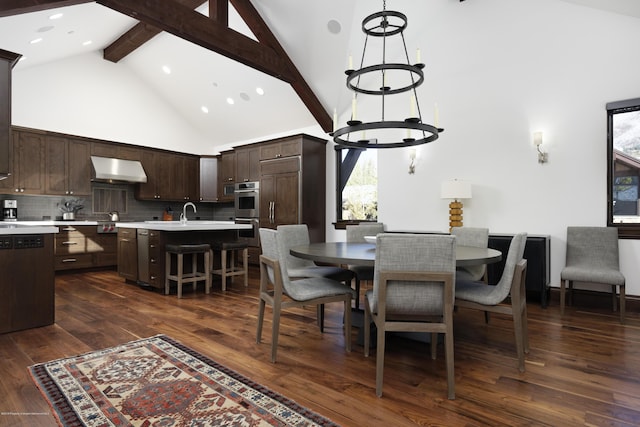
x: 183, y: 215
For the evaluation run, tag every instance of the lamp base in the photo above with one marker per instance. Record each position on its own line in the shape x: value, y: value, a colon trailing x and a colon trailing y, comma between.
x: 455, y: 214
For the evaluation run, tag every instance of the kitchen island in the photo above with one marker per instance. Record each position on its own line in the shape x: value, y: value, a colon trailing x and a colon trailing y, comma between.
x: 28, y: 282
x: 141, y: 253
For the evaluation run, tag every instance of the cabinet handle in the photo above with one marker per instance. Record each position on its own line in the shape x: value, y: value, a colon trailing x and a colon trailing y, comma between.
x: 152, y: 260
x: 69, y: 243
x: 68, y: 229
x: 69, y: 260
x: 152, y: 246
x: 124, y: 240
x: 152, y: 277
x: 71, y: 192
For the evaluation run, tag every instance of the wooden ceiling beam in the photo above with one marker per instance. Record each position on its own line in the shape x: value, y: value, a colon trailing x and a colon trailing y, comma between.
x: 184, y: 22
x: 17, y: 7
x: 261, y: 30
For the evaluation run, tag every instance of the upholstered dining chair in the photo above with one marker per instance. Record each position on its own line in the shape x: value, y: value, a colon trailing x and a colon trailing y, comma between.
x: 298, y: 235
x: 593, y: 257
x: 489, y: 298
x: 278, y: 291
x: 471, y: 236
x: 356, y: 233
x: 413, y: 290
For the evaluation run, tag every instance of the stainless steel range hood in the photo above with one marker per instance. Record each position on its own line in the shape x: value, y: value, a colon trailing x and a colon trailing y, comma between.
x: 111, y: 170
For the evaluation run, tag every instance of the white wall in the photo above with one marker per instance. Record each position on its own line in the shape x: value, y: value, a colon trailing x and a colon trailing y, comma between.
x: 500, y: 70
x: 60, y: 96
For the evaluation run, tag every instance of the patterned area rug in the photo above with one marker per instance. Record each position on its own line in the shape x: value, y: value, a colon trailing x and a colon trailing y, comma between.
x: 159, y: 382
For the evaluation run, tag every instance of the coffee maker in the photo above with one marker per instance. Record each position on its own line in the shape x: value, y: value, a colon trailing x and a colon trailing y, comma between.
x: 10, y: 210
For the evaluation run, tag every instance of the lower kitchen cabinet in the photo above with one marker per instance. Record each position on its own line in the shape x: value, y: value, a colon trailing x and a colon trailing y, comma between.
x: 128, y: 253
x: 81, y: 246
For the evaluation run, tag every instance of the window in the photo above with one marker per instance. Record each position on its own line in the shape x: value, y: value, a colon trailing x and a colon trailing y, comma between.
x: 357, y: 186
x: 623, y: 167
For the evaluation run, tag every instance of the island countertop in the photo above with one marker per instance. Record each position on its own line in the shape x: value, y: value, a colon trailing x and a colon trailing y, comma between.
x: 195, y: 225
x: 14, y: 228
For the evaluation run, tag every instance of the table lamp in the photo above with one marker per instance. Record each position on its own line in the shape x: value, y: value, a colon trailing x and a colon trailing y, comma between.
x: 456, y: 190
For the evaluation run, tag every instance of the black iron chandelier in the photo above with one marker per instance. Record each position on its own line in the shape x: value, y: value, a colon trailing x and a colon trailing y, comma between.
x: 372, y: 80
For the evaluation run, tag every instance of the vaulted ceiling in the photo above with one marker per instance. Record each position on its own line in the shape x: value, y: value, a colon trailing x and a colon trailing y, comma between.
x: 293, y: 50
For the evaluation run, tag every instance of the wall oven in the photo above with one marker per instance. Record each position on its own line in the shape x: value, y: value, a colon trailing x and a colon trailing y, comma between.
x: 247, y: 200
x: 251, y: 235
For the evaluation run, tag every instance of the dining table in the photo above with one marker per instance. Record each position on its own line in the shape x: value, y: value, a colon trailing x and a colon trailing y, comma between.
x: 365, y: 254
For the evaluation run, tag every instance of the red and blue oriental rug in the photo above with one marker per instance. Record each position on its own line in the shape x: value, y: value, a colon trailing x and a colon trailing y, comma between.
x: 159, y: 382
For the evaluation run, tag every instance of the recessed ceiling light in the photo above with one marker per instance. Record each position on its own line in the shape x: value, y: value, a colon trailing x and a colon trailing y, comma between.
x: 166, y: 69
x: 55, y: 16
x: 45, y: 29
x: 34, y: 41
x: 204, y: 109
x: 86, y: 43
x: 334, y: 26
x: 230, y: 101
x: 244, y: 96
x: 259, y: 91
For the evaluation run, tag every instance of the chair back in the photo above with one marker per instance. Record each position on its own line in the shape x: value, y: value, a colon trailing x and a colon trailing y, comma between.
x: 514, y: 256
x: 413, y: 253
x: 593, y: 247
x: 476, y: 237
x: 356, y: 233
x: 269, y: 248
x: 289, y: 236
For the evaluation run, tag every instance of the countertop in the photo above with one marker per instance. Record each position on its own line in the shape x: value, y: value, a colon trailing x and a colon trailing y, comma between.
x: 195, y: 225
x: 20, y: 228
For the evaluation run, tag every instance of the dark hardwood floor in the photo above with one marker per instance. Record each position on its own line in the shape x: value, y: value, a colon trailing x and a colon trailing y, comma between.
x: 583, y: 369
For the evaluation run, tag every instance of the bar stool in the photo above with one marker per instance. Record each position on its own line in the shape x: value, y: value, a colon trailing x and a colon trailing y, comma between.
x: 228, y: 266
x: 194, y: 276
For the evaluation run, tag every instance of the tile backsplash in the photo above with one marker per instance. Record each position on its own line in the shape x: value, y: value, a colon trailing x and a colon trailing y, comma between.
x: 35, y: 208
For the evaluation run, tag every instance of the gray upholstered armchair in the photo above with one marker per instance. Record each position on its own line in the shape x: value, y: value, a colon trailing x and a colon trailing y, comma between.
x: 413, y: 291
x: 356, y: 233
x: 488, y: 298
x: 278, y: 291
x: 593, y: 257
x: 471, y: 236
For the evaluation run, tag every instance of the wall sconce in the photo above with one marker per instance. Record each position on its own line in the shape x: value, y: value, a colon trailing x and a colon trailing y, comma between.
x: 537, y: 141
x: 455, y: 190
x: 412, y: 161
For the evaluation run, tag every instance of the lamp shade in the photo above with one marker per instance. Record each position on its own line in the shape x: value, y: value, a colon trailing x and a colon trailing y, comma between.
x: 455, y: 189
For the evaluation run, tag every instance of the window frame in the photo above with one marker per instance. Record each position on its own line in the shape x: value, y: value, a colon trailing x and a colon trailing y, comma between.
x: 625, y: 231
x: 341, y: 224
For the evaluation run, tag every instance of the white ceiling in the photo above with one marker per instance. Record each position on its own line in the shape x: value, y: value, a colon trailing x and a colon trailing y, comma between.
x: 203, y: 78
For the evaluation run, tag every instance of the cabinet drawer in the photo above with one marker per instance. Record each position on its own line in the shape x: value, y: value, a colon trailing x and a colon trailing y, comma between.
x: 71, y: 231
x: 69, y: 262
x: 70, y: 245
x: 280, y: 149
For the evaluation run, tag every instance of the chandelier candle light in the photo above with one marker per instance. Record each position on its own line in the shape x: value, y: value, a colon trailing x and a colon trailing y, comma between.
x: 373, y: 80
x: 455, y: 190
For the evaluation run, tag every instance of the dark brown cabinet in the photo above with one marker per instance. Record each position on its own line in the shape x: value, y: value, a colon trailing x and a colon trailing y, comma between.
x: 28, y: 154
x: 68, y: 170
x: 292, y: 184
x: 190, y: 178
x: 128, y: 253
x: 170, y: 177
x: 247, y: 164
x: 226, y: 176
x: 81, y: 246
x: 116, y: 151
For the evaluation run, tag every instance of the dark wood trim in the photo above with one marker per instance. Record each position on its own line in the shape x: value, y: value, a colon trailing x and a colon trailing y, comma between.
x: 17, y: 7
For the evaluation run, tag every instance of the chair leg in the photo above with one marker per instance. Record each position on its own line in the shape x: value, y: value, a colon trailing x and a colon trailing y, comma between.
x: 380, y: 358
x: 448, y: 346
x: 562, y: 291
x: 347, y: 324
x: 261, y: 306
x: 516, y: 312
x: 277, y: 306
x: 208, y: 260
x: 223, y: 267
x: 320, y: 316
x: 434, y: 345
x: 167, y: 272
x: 622, y: 303
x: 245, y: 266
x: 180, y: 274
x: 367, y: 327
x: 357, y: 303
x: 194, y: 269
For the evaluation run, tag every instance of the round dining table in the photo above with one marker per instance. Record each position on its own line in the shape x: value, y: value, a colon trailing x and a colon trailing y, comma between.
x: 365, y: 254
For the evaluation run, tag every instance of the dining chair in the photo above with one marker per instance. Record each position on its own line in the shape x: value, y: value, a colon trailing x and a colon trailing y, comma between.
x: 413, y: 291
x: 292, y: 235
x: 356, y: 234
x: 278, y: 291
x: 593, y: 257
x: 476, y: 237
x: 491, y: 298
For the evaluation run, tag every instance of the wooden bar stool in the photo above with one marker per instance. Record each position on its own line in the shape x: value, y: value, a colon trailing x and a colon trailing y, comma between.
x: 194, y: 276
x: 228, y: 266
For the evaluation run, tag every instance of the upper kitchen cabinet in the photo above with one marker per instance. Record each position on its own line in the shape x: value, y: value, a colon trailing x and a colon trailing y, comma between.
x: 165, y: 177
x: 208, y: 179
x: 226, y: 176
x: 28, y: 153
x: 116, y: 151
x: 290, y: 189
x: 285, y: 147
x: 68, y: 166
x: 247, y: 163
x: 7, y: 61
x: 191, y: 178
